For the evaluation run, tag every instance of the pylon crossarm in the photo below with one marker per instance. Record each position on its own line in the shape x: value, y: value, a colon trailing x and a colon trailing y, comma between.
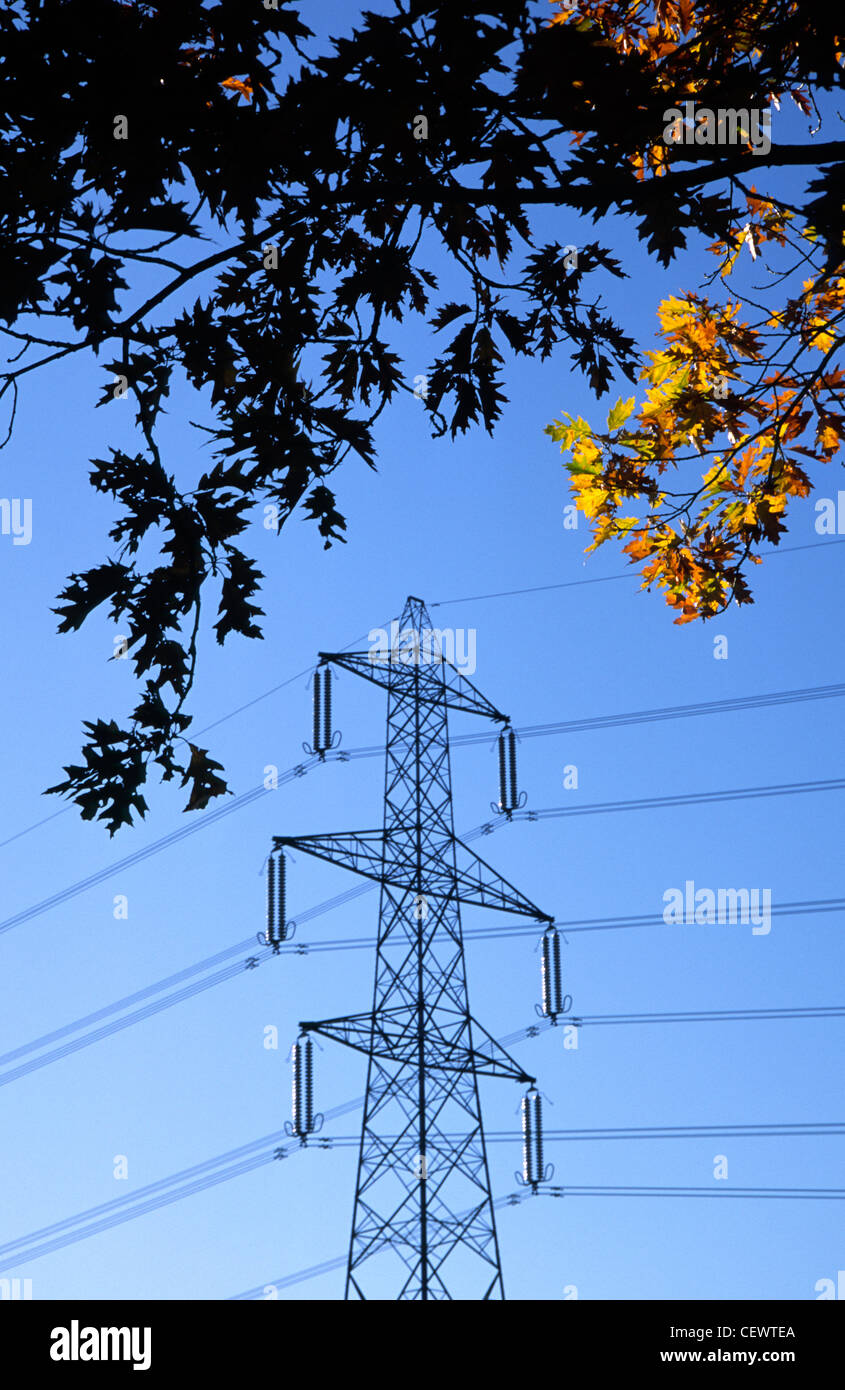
x: 439, y: 679
x: 387, y: 1036
x: 479, y: 885
x: 362, y: 851
x: 494, y: 1049
x: 464, y: 695
x: 378, y: 855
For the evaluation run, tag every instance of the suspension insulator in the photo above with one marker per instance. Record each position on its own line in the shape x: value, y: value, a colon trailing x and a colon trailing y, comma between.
x: 271, y: 898
x: 503, y: 780
x: 327, y: 707
x: 318, y: 725
x: 554, y: 1001
x: 533, y: 1171
x: 278, y: 928
x: 317, y: 690
x: 514, y: 795
x: 552, y: 976
x: 324, y: 737
x: 304, y: 1120
x: 276, y: 901
x: 509, y: 796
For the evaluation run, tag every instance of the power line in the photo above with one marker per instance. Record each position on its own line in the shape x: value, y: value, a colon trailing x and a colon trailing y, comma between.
x: 631, y: 573
x: 719, y: 1016
x: 185, y: 1183
x: 262, y: 955
x: 792, y: 1194
x: 646, y: 803
x: 515, y: 1198
x: 261, y: 1152
x: 247, y: 944
x: 117, y: 1217
x: 535, y: 589
x: 108, y: 1030
x: 443, y: 603
x: 274, y: 690
x: 755, y: 1131
x: 286, y: 1281
x: 798, y: 909
x: 35, y: 826
x: 155, y: 847
x: 649, y: 716
x: 248, y: 1157
x: 93, y: 1221
x: 803, y: 1130
x: 659, y: 714
x: 156, y: 1195
x: 547, y: 813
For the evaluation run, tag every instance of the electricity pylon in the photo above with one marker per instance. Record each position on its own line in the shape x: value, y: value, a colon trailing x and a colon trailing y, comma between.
x: 423, y: 1224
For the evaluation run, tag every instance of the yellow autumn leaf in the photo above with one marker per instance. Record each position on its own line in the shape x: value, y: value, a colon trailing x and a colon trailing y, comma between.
x: 590, y: 500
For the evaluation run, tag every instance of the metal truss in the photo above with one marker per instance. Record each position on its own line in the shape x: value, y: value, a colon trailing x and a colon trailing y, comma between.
x: 423, y: 1223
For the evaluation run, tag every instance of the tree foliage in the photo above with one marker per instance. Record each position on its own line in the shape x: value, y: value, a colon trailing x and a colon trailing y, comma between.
x: 330, y: 181
x: 744, y: 392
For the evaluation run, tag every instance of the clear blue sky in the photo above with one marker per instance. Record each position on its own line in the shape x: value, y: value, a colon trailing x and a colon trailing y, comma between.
x: 446, y: 521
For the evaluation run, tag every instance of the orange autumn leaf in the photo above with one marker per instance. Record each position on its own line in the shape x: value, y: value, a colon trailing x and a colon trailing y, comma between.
x: 240, y: 85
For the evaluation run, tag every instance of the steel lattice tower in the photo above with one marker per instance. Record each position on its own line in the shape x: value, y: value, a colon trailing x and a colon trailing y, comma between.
x: 423, y: 1224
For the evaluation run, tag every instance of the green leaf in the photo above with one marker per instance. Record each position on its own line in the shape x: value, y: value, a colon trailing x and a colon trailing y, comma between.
x: 620, y: 412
